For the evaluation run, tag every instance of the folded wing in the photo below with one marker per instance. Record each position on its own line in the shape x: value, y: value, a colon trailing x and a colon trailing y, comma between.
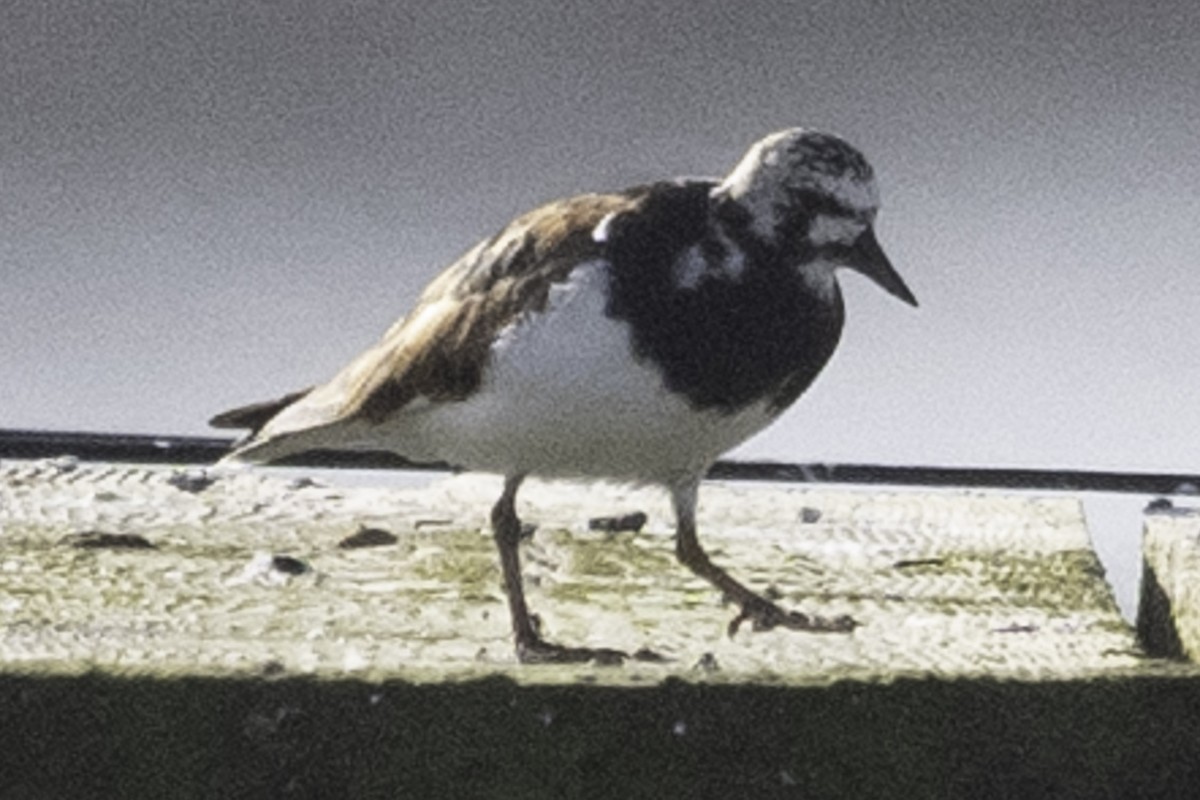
x: 439, y: 351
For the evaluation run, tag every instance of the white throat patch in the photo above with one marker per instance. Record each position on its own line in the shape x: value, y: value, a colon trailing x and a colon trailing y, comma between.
x: 825, y: 229
x: 694, y: 266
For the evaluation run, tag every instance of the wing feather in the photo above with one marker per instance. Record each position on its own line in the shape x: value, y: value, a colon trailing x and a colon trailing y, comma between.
x: 440, y: 350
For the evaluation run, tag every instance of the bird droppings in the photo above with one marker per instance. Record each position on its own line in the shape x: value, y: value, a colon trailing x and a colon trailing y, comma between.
x: 65, y: 463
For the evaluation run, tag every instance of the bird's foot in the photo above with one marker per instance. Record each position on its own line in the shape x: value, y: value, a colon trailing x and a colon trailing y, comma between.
x: 539, y: 651
x: 764, y: 615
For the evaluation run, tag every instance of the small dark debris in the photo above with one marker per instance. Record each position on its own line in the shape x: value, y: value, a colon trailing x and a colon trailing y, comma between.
x: 288, y: 565
x: 629, y: 522
x: 528, y: 529
x: 303, y: 482
x: 1164, y: 507
x: 432, y: 523
x: 272, y: 668
x: 809, y: 515
x: 1016, y: 628
x: 99, y: 540
x: 648, y: 656
x: 772, y: 593
x: 707, y: 663
x: 191, y: 480
x: 368, y: 537
x: 907, y: 563
x: 607, y: 658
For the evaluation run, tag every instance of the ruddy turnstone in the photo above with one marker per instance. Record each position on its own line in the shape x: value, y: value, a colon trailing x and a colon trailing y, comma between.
x: 635, y: 336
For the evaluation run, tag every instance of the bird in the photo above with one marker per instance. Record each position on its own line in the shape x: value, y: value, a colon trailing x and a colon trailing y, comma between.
x: 630, y: 335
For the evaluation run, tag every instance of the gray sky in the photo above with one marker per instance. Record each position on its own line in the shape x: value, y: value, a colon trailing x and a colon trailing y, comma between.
x: 208, y: 203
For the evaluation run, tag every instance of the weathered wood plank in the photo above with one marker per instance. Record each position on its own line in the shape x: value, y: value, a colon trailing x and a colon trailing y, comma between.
x: 944, y: 583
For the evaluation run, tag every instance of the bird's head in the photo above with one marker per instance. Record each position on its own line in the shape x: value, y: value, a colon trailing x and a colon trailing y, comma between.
x: 813, y: 197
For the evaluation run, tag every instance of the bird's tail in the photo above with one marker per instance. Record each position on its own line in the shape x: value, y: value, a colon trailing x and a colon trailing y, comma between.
x: 279, y: 428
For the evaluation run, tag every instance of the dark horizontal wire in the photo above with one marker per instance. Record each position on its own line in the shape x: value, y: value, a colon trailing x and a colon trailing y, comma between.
x: 190, y: 450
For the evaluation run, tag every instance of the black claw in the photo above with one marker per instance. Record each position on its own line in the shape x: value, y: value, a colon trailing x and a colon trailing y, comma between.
x: 543, y: 652
x: 765, y: 615
x: 540, y: 651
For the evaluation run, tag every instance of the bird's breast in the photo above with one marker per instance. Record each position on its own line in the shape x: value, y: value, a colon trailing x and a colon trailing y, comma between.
x: 564, y: 393
x: 727, y: 338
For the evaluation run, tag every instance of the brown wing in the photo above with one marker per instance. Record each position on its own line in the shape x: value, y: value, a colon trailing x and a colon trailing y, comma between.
x: 439, y: 351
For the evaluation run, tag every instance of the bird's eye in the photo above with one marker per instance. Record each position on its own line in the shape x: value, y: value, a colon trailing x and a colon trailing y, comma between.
x: 810, y: 203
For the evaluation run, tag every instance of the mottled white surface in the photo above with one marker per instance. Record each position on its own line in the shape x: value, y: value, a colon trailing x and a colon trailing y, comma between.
x: 947, y: 583
x: 1171, y: 543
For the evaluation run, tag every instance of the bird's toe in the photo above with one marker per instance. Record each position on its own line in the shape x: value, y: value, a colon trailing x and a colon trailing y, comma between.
x: 763, y: 615
x: 539, y: 651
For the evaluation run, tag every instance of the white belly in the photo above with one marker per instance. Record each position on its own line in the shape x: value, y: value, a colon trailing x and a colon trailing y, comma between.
x: 565, y: 396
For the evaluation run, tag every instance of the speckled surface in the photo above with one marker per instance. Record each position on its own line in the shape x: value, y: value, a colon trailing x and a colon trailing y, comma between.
x: 1169, y: 610
x: 952, y: 584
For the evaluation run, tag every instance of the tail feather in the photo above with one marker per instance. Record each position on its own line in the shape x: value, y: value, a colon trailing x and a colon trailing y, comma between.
x: 266, y: 442
x: 256, y: 415
x: 263, y: 449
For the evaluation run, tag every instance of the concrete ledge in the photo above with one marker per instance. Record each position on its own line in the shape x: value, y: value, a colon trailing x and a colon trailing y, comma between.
x: 102, y: 735
x: 154, y: 646
x: 1168, y: 622
x: 944, y: 583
